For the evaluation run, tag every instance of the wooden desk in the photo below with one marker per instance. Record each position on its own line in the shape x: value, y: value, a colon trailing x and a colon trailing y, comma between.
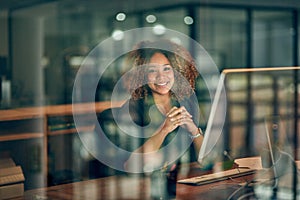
x: 115, y: 187
x: 131, y: 187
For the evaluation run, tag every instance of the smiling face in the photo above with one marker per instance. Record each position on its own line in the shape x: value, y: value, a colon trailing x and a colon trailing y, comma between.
x: 160, y: 74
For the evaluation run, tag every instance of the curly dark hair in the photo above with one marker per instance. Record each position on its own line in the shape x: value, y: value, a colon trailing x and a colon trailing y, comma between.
x: 185, y: 71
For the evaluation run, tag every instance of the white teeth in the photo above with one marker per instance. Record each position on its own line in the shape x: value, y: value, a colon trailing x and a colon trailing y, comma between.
x: 161, y: 84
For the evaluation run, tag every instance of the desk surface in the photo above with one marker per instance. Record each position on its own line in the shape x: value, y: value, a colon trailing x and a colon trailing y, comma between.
x: 131, y: 187
x: 114, y: 187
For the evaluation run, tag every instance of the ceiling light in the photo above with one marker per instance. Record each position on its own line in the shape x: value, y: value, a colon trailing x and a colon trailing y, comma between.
x: 151, y: 18
x: 120, y: 16
x: 188, y: 20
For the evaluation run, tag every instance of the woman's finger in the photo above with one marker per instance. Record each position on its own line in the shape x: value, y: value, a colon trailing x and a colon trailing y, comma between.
x: 177, y: 111
x: 169, y: 114
x: 181, y: 116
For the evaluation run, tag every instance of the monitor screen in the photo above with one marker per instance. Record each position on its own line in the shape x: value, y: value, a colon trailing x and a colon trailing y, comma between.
x: 244, y: 102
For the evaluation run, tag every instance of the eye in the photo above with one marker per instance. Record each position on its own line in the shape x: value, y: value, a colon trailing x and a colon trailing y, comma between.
x: 167, y: 68
x: 151, y: 70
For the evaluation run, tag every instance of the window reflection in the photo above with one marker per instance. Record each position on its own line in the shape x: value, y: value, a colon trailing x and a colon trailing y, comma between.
x: 43, y: 47
x: 222, y: 32
x: 272, y: 38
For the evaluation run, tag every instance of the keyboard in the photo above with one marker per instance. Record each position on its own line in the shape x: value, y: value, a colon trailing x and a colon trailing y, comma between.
x: 218, y: 176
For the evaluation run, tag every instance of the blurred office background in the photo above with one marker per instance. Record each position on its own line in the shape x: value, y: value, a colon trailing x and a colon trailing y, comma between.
x: 43, y: 43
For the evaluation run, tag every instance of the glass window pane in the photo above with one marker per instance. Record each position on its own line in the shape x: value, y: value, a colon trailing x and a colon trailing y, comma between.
x: 222, y: 33
x: 272, y: 38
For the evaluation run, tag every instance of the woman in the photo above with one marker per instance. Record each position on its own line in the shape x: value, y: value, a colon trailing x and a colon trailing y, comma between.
x: 162, y: 106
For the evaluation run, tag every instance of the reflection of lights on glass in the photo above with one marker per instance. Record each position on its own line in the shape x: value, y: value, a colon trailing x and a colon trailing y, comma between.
x: 176, y: 40
x: 45, y: 61
x: 159, y: 29
x: 120, y: 16
x: 75, y: 61
x: 117, y: 35
x: 151, y: 19
x: 188, y: 20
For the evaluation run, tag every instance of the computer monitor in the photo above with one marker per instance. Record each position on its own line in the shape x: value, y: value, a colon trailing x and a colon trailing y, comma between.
x: 215, y: 123
x: 243, y: 101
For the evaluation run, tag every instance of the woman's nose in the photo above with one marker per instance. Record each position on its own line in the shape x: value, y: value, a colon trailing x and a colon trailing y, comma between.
x: 160, y: 74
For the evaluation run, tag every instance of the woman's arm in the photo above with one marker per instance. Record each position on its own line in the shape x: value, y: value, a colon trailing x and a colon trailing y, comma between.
x: 175, y: 117
x: 185, y: 120
x: 148, y: 152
